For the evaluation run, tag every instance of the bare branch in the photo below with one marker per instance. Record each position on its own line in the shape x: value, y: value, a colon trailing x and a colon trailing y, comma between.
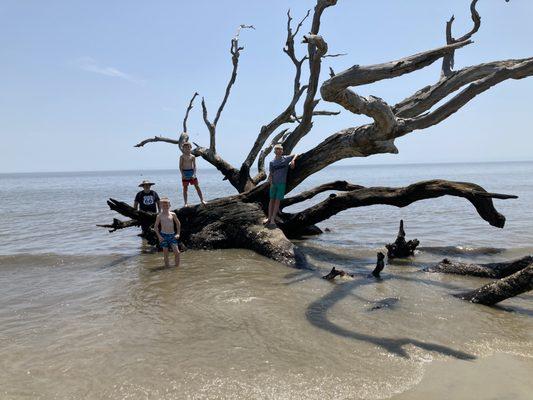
x: 316, y: 49
x: 427, y: 97
x: 118, y: 224
x: 448, y: 59
x: 516, y: 70
x: 157, y: 139
x: 315, y: 113
x: 189, y: 108
x: 336, y: 89
x: 210, y: 127
x: 401, y: 197
x: 235, y: 52
x: 309, y: 194
x: 286, y: 115
x: 335, y: 55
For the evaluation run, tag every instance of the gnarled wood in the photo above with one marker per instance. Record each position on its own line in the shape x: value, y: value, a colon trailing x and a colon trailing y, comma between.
x: 490, y: 270
x: 497, y: 291
x: 401, y: 248
x: 401, y: 197
x: 221, y: 224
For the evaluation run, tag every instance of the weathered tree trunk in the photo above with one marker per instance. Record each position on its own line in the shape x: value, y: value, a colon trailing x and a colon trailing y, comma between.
x: 401, y: 248
x: 494, y: 292
x: 491, y: 270
x: 224, y: 223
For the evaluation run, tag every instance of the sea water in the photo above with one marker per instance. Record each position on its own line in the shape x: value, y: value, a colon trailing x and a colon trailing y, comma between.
x: 90, y: 314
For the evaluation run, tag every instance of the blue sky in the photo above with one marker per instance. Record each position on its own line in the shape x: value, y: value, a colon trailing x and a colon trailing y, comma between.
x: 83, y: 81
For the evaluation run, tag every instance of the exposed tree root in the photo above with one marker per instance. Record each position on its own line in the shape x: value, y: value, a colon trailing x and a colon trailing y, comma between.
x: 401, y: 248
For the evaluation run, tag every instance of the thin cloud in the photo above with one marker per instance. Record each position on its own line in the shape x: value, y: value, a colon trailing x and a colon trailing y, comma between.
x: 91, y: 65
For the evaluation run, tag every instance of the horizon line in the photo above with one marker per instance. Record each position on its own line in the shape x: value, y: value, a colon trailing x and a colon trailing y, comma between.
x: 330, y: 166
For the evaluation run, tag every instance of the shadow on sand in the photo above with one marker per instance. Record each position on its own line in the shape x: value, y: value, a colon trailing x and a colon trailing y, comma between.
x: 316, y: 314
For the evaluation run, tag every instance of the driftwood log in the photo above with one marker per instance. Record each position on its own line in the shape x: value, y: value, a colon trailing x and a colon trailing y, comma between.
x: 234, y: 221
x: 490, y: 270
x: 494, y: 292
x: 380, y: 264
x: 401, y: 248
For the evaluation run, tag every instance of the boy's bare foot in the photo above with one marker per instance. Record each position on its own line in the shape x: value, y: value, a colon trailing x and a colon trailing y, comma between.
x: 186, y: 205
x: 204, y: 202
x: 266, y: 221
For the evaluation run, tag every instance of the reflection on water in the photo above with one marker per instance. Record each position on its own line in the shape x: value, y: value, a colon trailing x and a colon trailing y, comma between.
x: 87, y: 314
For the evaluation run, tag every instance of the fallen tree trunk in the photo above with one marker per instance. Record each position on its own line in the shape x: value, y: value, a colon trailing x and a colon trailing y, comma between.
x: 221, y: 224
x: 236, y: 221
x: 494, y: 292
x: 491, y: 270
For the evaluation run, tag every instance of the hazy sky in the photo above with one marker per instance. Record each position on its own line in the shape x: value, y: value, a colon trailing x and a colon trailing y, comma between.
x: 83, y: 81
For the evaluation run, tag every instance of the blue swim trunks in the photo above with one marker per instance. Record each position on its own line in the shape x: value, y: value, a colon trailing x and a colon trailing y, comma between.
x: 168, y: 240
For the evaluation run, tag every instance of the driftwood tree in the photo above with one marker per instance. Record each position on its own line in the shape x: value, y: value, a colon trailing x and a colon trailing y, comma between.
x: 235, y: 221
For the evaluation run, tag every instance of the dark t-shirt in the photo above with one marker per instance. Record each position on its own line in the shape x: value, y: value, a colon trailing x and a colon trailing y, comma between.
x: 279, y: 168
x: 147, y: 201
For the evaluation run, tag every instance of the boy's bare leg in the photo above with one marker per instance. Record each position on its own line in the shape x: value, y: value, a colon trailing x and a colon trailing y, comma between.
x: 270, y: 209
x: 275, y: 209
x: 165, y: 255
x: 200, y: 195
x: 176, y: 251
x: 185, y: 188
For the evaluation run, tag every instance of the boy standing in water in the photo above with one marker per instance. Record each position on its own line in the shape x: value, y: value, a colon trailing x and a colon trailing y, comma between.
x: 167, y: 228
x: 188, y: 172
x: 277, y: 178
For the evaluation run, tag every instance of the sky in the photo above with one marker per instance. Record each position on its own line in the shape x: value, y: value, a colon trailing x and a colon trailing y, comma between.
x: 83, y: 81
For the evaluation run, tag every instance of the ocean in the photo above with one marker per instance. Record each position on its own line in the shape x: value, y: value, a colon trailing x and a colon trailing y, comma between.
x: 89, y: 314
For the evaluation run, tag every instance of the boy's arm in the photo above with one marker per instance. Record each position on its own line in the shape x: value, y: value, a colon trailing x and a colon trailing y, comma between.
x: 293, y: 161
x: 178, y: 225
x: 136, y: 205
x: 157, y: 202
x: 194, y: 165
x: 181, y: 165
x: 156, y: 228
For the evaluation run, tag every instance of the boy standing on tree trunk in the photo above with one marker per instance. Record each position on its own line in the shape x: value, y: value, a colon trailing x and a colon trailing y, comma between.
x: 167, y: 228
x: 188, y: 172
x: 277, y: 178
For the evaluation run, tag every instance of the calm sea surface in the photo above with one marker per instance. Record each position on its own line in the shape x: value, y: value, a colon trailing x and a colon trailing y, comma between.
x: 88, y: 314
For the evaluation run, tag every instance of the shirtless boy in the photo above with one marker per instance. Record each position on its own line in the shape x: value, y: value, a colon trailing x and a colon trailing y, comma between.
x: 167, y: 228
x: 188, y: 172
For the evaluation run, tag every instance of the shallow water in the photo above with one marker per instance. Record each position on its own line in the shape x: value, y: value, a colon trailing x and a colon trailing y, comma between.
x: 87, y: 314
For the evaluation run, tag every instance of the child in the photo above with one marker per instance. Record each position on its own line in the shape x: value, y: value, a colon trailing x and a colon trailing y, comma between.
x: 277, y: 179
x: 188, y: 172
x: 146, y: 200
x: 167, y: 228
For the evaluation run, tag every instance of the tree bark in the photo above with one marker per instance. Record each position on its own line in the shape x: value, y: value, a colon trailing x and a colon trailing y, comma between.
x: 221, y: 224
x: 401, y: 248
x: 491, y: 270
x: 494, y: 292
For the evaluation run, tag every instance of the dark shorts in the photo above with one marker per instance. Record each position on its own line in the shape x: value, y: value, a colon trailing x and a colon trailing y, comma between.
x: 169, y: 239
